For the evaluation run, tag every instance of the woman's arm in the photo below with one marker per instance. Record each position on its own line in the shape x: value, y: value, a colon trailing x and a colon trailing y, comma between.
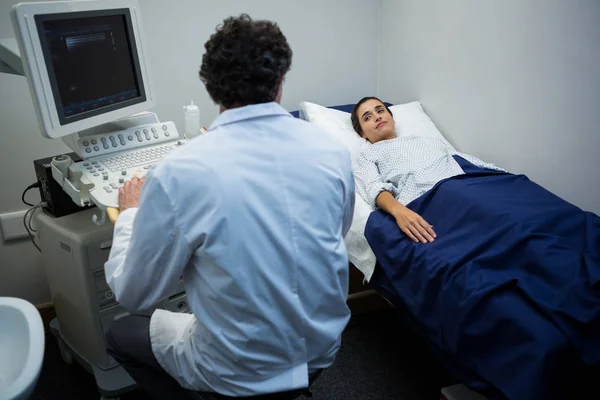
x: 377, y: 193
x: 369, y: 183
x: 411, y: 223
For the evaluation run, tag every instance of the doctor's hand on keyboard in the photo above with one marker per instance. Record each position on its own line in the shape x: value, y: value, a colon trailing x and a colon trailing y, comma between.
x: 129, y: 197
x: 129, y: 193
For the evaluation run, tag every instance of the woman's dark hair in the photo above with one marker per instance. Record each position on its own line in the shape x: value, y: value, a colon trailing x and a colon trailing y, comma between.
x: 356, y: 119
x: 245, y: 61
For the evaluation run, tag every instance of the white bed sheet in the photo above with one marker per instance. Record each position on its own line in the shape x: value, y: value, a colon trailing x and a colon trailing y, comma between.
x: 359, y: 251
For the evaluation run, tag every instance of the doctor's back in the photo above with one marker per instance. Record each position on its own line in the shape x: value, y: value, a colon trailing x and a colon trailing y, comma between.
x: 264, y: 200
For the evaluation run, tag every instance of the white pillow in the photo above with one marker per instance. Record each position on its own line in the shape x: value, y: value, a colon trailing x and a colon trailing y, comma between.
x: 334, y: 122
x: 410, y: 119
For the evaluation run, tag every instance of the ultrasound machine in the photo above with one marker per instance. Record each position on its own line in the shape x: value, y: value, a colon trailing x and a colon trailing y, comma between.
x: 86, y: 65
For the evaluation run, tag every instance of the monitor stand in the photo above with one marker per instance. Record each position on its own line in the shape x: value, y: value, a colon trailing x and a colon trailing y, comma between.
x: 10, y: 57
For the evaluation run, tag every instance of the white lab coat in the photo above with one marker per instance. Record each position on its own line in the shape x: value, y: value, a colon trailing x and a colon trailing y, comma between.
x: 252, y: 214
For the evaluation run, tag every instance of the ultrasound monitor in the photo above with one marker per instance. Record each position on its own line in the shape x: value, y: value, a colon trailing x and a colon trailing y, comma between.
x: 84, y: 61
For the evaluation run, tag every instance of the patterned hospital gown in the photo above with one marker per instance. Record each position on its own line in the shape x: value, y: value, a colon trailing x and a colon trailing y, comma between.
x: 406, y: 166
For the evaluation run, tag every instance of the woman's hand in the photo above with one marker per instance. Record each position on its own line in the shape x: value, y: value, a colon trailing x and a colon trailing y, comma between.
x: 409, y: 221
x: 414, y: 226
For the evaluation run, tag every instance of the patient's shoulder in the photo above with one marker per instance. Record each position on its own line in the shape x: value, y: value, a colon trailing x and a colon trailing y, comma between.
x: 364, y: 152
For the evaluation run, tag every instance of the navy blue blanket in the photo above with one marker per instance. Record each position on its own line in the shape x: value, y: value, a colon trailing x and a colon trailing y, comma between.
x: 509, y: 293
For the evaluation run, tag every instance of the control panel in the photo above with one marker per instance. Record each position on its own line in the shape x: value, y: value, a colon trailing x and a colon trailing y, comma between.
x: 118, y: 157
x: 126, y: 139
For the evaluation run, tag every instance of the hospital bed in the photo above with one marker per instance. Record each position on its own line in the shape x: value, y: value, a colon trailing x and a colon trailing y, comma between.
x: 508, y: 295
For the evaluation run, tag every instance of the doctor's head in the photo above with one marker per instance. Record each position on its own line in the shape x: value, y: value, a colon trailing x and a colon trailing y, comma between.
x: 373, y: 120
x: 245, y: 62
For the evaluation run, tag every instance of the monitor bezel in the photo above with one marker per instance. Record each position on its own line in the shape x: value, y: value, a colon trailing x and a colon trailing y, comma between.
x: 38, y: 78
x: 125, y: 12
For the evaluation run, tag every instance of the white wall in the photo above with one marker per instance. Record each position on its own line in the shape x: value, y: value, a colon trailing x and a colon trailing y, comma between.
x: 326, y: 68
x: 21, y: 273
x: 324, y: 36
x: 515, y: 82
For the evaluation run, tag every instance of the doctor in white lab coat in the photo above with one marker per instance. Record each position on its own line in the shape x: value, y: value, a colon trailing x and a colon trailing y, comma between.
x: 252, y: 215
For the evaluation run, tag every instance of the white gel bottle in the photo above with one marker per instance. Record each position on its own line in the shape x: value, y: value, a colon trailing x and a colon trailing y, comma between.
x: 192, y: 120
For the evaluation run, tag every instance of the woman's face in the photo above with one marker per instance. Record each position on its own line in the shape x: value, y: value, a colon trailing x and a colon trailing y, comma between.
x: 375, y: 121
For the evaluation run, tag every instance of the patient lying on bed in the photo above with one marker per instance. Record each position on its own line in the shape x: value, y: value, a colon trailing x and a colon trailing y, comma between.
x: 392, y: 171
x: 509, y: 292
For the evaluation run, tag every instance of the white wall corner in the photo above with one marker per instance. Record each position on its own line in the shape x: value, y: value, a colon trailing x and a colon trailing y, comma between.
x: 379, y: 39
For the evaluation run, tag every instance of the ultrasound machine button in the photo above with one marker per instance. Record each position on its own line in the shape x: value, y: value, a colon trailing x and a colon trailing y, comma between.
x: 96, y: 148
x: 88, y: 150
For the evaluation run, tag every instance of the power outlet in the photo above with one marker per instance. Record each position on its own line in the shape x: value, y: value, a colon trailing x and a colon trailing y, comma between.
x: 12, y: 226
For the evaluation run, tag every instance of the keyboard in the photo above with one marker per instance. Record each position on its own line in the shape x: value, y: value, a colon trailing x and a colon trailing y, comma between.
x: 137, y: 158
x: 109, y: 173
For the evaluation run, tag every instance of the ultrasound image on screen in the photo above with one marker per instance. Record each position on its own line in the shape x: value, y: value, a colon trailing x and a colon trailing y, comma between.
x: 92, y: 62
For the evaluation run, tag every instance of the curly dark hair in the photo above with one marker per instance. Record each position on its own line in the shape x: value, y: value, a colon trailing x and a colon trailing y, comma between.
x: 245, y: 61
x: 355, y: 119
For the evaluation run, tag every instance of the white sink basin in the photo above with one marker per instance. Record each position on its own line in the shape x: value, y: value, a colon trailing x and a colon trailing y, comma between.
x: 21, y: 348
